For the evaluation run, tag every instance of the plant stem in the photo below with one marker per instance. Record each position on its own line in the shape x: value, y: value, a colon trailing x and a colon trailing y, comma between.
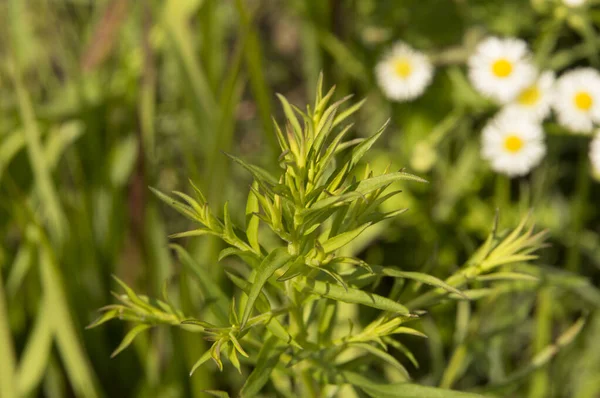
x: 578, y: 207
x: 541, y: 378
x: 7, y: 352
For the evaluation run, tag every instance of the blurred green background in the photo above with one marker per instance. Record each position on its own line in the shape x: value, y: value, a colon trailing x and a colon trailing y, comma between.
x: 101, y: 99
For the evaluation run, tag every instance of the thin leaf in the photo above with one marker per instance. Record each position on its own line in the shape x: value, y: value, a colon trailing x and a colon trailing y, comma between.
x: 128, y: 339
x: 180, y: 207
x: 8, y: 380
x: 194, y: 232
x: 78, y: 368
x: 216, y: 393
x: 273, y: 325
x: 343, y: 239
x: 363, y: 147
x: 384, y: 356
x: 401, y: 390
x: 268, y: 358
x: 351, y: 295
x: 205, y: 357
x: 374, y: 183
x: 252, y: 222
x: 348, y: 112
x: 260, y: 174
x: 417, y: 276
x: 275, y: 260
x: 34, y: 359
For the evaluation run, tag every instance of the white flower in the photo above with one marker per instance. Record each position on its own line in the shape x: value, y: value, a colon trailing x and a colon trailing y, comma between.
x: 501, y: 68
x: 574, y: 3
x: 577, y: 99
x: 595, y: 154
x: 535, y: 100
x: 404, y: 73
x: 513, y: 145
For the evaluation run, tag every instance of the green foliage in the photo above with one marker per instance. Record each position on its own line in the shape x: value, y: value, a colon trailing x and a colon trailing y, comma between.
x: 320, y: 203
x: 101, y: 99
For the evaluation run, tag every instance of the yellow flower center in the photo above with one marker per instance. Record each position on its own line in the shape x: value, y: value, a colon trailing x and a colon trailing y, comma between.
x: 583, y: 101
x: 403, y: 68
x: 502, y: 68
x: 513, y: 143
x: 529, y: 96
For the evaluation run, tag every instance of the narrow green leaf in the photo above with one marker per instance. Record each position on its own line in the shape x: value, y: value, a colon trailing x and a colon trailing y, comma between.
x: 107, y: 316
x: 237, y: 345
x: 37, y: 159
x: 374, y: 183
x: 196, y: 322
x: 190, y: 201
x: 268, y: 358
x: 403, y: 349
x: 10, y: 146
x: 275, y: 260
x: 59, y: 139
x: 261, y: 302
x: 322, y: 101
x: 78, y: 368
x: 249, y: 257
x: 401, y: 390
x: 273, y: 325
x: 290, y: 115
x: 385, y: 357
x: 227, y: 221
x: 20, y: 267
x: 348, y: 112
x: 8, y: 387
x: 411, y: 331
x: 199, y: 193
x: 180, y: 207
x: 233, y: 358
x: 135, y: 299
x: 260, y: 174
x: 194, y: 232
x: 128, y: 339
x: 34, y: 359
x: 343, y: 239
x: 509, y: 276
x: 362, y: 148
x: 351, y: 295
x: 216, y: 393
x: 416, y: 276
x: 205, y: 357
x: 215, y: 353
x: 252, y: 222
x: 121, y: 160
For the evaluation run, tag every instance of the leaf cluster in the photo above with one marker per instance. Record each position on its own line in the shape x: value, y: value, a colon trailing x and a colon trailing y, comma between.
x: 287, y: 315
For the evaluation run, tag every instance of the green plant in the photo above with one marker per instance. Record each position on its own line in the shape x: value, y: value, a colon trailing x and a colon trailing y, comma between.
x: 288, y: 321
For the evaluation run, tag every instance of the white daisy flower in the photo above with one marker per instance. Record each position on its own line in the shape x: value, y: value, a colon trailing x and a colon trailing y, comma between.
x: 574, y: 3
x: 577, y: 99
x: 501, y: 68
x: 595, y: 154
x: 404, y: 73
x: 535, y: 100
x: 513, y: 145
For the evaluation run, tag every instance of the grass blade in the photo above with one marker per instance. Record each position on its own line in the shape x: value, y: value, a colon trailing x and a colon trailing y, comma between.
x: 7, y: 353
